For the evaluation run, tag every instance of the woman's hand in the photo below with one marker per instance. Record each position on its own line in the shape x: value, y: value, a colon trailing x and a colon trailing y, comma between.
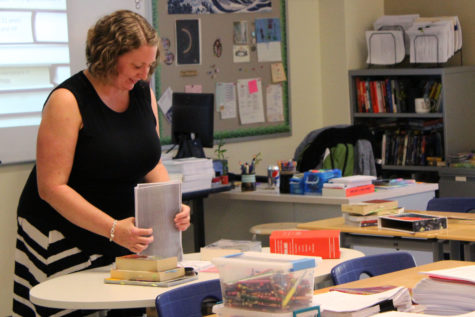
x: 131, y: 237
x: 182, y: 219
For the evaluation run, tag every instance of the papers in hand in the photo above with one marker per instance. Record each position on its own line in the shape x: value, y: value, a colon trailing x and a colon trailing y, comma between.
x: 156, y: 205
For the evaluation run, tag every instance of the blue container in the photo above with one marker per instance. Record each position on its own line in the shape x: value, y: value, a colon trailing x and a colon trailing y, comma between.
x: 297, y: 184
x: 314, y: 180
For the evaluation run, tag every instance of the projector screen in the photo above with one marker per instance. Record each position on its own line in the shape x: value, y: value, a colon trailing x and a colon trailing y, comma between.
x: 42, y: 42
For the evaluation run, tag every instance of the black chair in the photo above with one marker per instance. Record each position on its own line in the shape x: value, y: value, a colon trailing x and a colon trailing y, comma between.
x: 190, y: 300
x: 455, y: 204
x: 371, y: 265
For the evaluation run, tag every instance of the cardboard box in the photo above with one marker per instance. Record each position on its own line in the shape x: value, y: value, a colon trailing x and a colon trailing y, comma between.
x: 266, y: 282
x: 323, y: 243
x: 412, y: 222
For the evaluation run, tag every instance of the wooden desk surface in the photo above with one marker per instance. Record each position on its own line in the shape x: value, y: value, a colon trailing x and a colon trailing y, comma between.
x: 408, y: 277
x: 461, y: 227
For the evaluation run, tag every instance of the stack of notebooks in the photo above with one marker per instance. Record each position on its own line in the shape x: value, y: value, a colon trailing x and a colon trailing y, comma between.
x: 195, y: 173
x: 366, y: 213
x: 147, y: 271
x: 348, y: 186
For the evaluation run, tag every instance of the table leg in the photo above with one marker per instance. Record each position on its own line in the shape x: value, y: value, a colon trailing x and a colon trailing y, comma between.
x: 197, y: 218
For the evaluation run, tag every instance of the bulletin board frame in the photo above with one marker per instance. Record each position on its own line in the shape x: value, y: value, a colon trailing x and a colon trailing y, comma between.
x: 212, y: 69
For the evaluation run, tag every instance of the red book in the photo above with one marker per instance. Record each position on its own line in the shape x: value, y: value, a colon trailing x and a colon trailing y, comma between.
x: 374, y: 96
x: 323, y: 243
x: 347, y: 192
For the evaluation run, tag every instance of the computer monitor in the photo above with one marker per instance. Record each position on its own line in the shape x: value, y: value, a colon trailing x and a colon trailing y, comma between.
x: 192, y: 123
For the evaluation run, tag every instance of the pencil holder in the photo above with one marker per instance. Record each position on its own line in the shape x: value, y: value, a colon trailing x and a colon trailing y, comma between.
x: 285, y: 182
x: 248, y: 182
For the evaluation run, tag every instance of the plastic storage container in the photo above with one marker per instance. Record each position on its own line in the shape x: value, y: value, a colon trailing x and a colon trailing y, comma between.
x: 297, y: 184
x: 314, y: 180
x: 266, y: 282
x: 223, y: 311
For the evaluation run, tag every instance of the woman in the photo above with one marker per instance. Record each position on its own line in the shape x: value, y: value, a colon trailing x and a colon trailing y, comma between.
x: 97, y: 139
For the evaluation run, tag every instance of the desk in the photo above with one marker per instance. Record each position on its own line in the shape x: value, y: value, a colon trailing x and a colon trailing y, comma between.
x: 407, y: 278
x: 231, y: 214
x: 87, y: 290
x: 197, y: 217
x: 457, y: 230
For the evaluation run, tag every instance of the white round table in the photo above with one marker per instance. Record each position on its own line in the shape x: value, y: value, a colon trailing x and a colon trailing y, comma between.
x: 87, y: 290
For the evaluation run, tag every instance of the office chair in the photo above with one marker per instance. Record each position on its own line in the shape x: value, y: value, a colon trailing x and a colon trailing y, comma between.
x: 190, y: 300
x: 371, y: 265
x: 455, y: 204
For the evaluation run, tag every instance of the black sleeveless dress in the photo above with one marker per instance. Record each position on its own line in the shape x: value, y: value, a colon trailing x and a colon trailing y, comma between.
x: 114, y: 152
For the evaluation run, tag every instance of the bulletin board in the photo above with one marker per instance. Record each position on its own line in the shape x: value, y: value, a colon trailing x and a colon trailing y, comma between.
x: 238, y: 45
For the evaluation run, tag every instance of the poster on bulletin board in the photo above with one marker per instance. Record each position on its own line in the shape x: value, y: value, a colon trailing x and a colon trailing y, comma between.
x: 236, y: 50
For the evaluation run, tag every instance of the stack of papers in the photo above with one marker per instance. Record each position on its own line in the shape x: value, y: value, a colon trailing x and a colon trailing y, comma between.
x: 335, y: 302
x: 448, y: 291
x: 156, y: 205
x: 195, y: 173
x: 424, y: 39
x: 385, y: 47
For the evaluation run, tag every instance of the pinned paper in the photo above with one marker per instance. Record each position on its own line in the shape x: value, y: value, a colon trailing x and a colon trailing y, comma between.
x: 251, y: 106
x: 278, y: 73
x: 252, y: 84
x: 165, y: 103
x: 194, y: 89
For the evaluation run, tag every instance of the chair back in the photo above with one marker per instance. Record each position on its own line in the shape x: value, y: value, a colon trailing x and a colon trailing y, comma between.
x: 455, y: 204
x: 187, y: 300
x: 372, y: 265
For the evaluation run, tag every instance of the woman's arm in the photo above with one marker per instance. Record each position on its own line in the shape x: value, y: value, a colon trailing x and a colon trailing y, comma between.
x: 57, y: 137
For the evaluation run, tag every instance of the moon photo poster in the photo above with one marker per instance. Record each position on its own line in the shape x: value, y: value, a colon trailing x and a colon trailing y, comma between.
x: 188, y: 41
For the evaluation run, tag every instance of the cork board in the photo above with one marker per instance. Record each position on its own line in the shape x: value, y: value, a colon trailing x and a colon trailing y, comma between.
x: 206, y: 69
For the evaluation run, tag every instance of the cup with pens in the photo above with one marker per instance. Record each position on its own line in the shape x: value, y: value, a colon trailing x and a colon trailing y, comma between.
x: 287, y: 171
x: 248, y: 176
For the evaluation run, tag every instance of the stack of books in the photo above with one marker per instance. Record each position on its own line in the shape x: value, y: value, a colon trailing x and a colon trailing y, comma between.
x: 366, y: 213
x: 447, y: 291
x: 145, y: 270
x: 195, y: 173
x: 348, y: 186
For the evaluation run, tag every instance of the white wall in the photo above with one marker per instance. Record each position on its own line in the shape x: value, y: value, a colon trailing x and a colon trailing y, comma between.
x: 12, y: 179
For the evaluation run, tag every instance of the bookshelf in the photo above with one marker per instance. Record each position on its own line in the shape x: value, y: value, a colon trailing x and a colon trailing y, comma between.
x: 407, y: 143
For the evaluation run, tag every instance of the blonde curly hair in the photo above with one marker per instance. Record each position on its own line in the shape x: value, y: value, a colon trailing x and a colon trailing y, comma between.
x: 114, y: 35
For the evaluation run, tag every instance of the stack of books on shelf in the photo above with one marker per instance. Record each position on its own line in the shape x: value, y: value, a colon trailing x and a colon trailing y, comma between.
x: 146, y: 270
x: 195, y: 173
x: 348, y: 186
x: 447, y: 291
x: 412, y: 143
x: 366, y: 214
x: 393, y: 95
